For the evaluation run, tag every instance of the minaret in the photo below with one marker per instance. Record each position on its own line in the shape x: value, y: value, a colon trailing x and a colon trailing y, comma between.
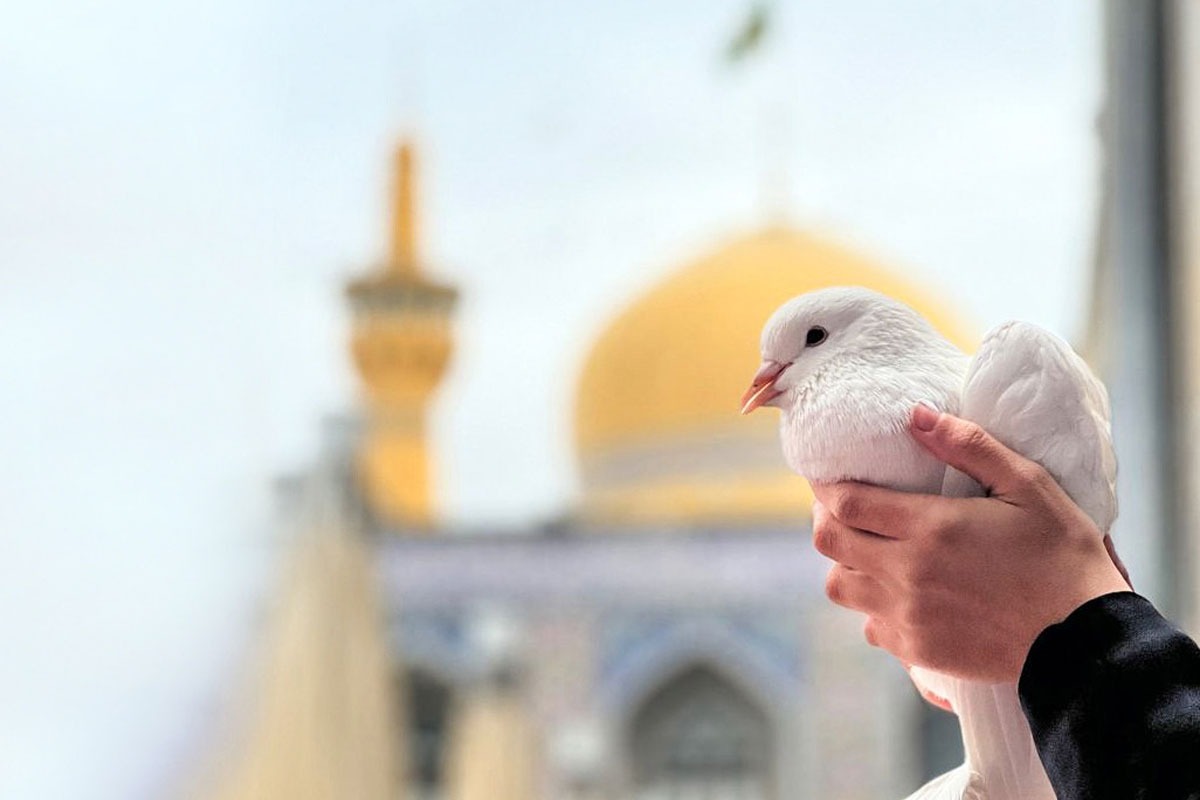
x: 401, y: 345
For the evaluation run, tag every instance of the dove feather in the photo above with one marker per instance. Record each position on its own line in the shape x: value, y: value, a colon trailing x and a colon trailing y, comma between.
x: 1029, y: 389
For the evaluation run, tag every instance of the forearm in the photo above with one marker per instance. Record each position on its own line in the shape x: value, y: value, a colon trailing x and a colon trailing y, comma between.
x: 1112, y: 695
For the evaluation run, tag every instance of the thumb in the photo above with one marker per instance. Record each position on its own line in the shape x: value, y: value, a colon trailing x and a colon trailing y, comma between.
x: 970, y: 449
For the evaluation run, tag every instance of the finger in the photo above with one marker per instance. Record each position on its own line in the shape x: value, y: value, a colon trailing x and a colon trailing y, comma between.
x: 970, y: 449
x: 856, y: 590
x: 854, y: 548
x: 869, y: 632
x: 886, y: 512
x: 882, y: 635
x: 1116, y: 559
x: 936, y: 700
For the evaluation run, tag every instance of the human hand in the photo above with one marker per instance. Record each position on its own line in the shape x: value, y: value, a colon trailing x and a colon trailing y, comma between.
x: 963, y: 585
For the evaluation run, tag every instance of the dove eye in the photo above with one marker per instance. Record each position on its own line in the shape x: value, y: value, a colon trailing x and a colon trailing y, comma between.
x: 815, y: 336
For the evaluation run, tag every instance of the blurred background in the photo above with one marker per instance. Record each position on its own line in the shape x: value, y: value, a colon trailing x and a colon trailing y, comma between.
x: 370, y: 413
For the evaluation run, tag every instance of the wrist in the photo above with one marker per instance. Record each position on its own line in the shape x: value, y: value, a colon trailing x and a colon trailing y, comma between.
x: 1083, y: 582
x: 1101, y: 578
x: 1098, y: 578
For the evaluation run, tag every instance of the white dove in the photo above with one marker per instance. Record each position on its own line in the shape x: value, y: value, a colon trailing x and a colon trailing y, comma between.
x: 846, y: 365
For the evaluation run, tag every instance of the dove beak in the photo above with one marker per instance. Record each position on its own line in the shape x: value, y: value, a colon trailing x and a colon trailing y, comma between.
x: 762, y: 389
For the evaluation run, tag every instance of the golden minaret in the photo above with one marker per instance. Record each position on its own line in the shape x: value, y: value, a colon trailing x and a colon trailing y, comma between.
x: 401, y: 346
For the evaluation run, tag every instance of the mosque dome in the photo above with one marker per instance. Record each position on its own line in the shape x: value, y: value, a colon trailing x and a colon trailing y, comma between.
x: 657, y: 431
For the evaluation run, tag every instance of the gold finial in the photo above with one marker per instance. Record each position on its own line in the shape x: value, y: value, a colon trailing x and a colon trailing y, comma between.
x: 404, y: 223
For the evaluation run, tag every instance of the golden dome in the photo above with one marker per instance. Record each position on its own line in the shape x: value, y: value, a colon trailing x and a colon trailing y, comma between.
x: 657, y: 429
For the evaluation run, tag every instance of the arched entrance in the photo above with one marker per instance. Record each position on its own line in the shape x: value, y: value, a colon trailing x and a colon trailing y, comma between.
x: 427, y: 701
x: 700, y: 736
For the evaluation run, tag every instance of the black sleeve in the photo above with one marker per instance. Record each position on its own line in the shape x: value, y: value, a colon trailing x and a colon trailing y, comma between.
x: 1112, y: 694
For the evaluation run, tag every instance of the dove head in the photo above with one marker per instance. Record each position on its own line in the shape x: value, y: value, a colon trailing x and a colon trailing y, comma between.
x: 840, y: 326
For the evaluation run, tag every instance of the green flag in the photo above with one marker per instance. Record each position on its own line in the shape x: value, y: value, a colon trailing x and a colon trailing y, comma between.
x: 750, y: 34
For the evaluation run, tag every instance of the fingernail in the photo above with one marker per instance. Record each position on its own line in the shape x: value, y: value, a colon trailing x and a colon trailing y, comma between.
x: 924, y: 417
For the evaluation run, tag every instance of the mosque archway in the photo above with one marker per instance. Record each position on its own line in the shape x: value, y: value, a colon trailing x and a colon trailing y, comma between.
x: 699, y: 735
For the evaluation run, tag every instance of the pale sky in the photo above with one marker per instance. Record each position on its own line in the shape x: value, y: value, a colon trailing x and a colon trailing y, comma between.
x: 185, y: 186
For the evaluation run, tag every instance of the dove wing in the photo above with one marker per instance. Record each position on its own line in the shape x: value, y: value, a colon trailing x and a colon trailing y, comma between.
x: 1030, y: 390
